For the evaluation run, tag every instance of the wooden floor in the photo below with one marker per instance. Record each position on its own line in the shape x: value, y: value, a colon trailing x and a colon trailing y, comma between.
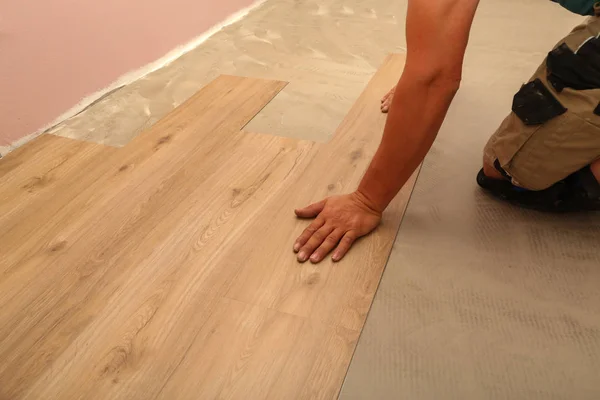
x: 164, y: 269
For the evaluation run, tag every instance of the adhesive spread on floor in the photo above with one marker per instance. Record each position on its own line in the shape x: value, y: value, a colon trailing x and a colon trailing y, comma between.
x: 164, y: 269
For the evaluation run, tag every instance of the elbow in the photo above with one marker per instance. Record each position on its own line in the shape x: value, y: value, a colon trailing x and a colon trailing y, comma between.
x: 438, y: 78
x: 444, y: 81
x: 448, y: 82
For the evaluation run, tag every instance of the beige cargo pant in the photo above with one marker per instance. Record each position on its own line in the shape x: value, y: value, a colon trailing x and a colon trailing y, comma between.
x: 554, y: 129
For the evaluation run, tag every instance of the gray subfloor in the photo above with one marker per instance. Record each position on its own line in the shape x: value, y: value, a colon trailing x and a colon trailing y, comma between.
x: 479, y: 300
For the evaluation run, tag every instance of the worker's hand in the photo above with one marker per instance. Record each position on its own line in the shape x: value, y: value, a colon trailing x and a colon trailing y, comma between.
x: 340, y: 220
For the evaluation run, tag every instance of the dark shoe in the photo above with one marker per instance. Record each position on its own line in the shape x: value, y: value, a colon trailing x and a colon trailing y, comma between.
x: 575, y: 193
x: 549, y: 200
x: 583, y: 192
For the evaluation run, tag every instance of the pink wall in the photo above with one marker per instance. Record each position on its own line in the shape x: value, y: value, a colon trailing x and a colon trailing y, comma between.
x: 55, y: 52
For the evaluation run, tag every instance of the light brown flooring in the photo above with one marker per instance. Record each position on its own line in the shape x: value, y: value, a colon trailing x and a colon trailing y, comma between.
x: 164, y: 270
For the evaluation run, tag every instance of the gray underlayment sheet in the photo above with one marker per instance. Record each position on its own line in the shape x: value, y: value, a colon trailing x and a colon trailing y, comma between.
x: 481, y: 300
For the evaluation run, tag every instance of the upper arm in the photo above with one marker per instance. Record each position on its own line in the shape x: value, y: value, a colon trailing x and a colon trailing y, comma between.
x: 437, y: 33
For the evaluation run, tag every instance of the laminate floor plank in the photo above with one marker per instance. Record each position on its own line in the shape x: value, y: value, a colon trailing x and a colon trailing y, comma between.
x: 13, y: 164
x: 170, y: 274
x: 255, y: 363
x: 242, y: 354
x: 55, y: 159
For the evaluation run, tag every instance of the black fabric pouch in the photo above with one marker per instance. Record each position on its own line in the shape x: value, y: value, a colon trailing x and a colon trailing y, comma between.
x: 534, y: 104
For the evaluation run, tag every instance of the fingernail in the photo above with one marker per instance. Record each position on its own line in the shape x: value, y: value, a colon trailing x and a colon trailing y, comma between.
x: 302, y: 257
x: 335, y: 257
x: 297, y: 247
x: 314, y: 258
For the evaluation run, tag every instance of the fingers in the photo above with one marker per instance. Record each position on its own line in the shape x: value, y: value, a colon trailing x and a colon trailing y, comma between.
x: 328, y: 244
x: 311, y: 211
x: 315, y: 240
x: 307, y: 233
x: 385, y: 106
x: 386, y: 102
x: 345, y: 244
x: 387, y: 96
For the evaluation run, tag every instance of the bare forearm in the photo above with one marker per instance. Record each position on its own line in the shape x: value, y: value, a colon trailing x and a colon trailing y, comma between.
x: 436, y: 38
x: 414, y: 119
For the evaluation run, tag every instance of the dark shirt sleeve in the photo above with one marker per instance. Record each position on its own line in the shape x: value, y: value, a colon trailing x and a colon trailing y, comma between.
x: 581, y: 7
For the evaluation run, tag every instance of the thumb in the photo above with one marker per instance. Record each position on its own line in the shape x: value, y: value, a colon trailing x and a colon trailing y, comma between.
x: 311, y: 211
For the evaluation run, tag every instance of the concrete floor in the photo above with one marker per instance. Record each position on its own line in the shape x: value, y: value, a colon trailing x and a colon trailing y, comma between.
x: 479, y: 300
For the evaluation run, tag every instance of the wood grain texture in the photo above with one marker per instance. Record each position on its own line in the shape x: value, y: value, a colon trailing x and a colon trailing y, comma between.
x: 163, y: 270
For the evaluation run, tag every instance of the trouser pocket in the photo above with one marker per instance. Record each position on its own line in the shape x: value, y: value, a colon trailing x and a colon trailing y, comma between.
x: 534, y: 104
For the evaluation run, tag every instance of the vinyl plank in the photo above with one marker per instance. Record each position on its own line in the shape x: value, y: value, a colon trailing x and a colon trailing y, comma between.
x: 50, y: 159
x: 271, y: 355
x: 15, y: 163
x: 36, y: 185
x: 243, y: 348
